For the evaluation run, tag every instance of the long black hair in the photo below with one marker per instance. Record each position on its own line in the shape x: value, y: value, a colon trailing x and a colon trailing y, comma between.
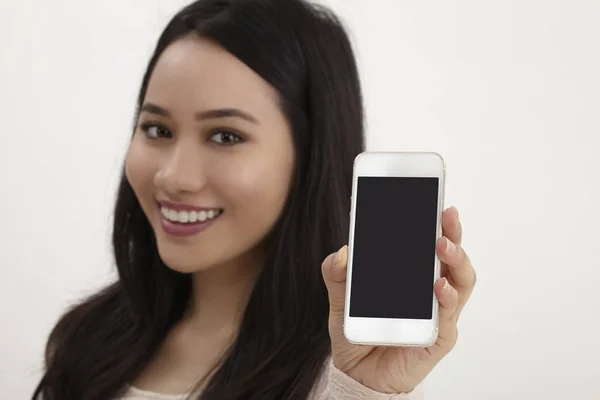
x: 104, y: 342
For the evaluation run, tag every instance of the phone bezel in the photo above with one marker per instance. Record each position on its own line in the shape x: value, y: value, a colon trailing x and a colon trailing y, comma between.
x: 392, y: 331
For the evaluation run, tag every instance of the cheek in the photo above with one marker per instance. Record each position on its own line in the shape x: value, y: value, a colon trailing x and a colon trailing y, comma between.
x: 139, y: 172
x: 255, y: 191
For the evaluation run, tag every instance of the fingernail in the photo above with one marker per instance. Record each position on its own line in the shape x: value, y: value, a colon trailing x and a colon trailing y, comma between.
x: 450, y: 247
x: 338, y: 257
x: 445, y: 286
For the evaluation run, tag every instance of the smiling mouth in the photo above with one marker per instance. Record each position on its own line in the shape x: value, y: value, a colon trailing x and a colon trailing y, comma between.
x: 185, y: 217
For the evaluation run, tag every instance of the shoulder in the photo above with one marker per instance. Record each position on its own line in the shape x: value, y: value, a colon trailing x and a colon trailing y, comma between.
x: 333, y: 384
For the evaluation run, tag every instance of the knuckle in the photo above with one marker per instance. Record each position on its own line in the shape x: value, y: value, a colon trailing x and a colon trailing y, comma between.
x: 462, y: 255
x: 471, y: 271
x: 454, y: 338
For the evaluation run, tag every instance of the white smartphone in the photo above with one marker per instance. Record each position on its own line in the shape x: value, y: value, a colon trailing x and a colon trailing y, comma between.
x: 395, y: 222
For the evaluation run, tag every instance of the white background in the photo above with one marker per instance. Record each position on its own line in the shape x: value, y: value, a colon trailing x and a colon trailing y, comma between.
x: 507, y: 91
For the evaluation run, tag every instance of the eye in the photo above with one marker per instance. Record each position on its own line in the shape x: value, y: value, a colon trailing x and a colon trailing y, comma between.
x: 155, y: 131
x: 225, y: 138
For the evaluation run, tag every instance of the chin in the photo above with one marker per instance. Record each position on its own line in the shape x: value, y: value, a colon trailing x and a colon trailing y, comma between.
x: 182, y: 260
x: 181, y: 265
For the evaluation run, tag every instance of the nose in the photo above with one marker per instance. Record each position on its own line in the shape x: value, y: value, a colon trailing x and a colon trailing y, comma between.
x: 182, y: 171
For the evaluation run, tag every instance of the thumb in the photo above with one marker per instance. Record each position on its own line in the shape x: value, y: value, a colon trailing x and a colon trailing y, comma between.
x: 334, y: 275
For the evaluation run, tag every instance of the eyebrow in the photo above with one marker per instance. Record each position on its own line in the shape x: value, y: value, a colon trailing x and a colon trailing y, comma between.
x: 201, y: 115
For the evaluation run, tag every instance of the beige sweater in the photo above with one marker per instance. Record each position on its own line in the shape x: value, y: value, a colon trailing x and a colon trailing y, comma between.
x: 333, y: 385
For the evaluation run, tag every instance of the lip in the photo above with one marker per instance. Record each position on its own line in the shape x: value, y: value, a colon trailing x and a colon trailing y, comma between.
x: 188, y: 229
x: 184, y: 230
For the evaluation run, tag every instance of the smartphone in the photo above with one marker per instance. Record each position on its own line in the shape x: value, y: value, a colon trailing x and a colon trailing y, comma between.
x: 395, y: 222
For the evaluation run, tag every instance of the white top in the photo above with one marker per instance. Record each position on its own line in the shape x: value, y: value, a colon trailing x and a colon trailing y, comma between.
x: 332, y: 385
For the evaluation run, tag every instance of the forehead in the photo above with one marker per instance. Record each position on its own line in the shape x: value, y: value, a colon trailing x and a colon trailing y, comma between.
x: 194, y: 73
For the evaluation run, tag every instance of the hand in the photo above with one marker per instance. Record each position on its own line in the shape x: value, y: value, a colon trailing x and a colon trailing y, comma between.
x: 401, y: 369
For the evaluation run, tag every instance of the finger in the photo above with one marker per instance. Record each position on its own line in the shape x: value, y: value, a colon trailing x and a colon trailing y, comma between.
x: 451, y: 226
x: 460, y: 271
x: 448, y: 298
x: 334, y: 275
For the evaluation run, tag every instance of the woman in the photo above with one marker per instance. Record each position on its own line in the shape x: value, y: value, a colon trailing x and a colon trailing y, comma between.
x: 236, y: 187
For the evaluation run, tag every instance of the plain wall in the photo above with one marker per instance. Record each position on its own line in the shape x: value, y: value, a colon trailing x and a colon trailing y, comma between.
x: 507, y: 91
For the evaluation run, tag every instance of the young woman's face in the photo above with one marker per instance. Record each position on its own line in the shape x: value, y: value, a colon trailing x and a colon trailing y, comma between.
x: 212, y: 156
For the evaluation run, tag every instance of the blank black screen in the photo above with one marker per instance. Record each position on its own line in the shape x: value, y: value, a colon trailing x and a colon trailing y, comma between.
x: 394, y: 247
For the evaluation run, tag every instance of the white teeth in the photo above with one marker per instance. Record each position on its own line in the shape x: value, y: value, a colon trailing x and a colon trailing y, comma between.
x: 185, y: 217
